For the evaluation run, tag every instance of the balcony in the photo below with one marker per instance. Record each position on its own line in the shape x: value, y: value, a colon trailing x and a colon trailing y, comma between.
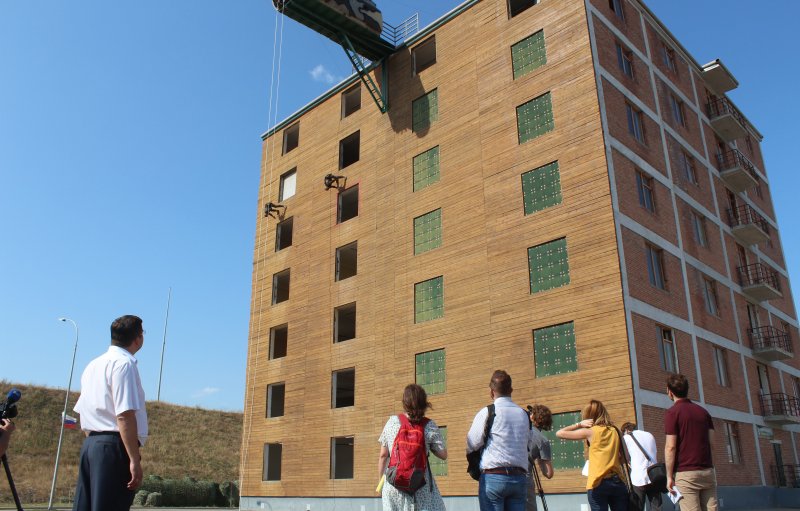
x: 718, y: 78
x: 780, y: 408
x: 759, y: 282
x: 726, y: 119
x: 786, y: 475
x: 770, y: 344
x: 736, y: 170
x: 748, y: 225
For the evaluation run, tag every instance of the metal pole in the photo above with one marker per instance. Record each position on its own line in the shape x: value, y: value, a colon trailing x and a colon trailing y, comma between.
x: 64, y: 413
x: 163, y: 345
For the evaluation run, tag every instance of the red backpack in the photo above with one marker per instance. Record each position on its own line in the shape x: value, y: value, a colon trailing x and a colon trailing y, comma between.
x: 408, y: 459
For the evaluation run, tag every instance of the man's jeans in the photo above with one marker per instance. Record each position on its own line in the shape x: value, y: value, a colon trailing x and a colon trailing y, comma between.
x: 699, y: 489
x: 500, y: 492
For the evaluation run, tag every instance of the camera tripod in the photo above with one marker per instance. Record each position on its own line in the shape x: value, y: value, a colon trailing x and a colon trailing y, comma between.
x: 539, y: 488
x: 11, y: 483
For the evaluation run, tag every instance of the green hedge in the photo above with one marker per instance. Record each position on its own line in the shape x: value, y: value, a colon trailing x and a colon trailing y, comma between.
x: 186, y: 492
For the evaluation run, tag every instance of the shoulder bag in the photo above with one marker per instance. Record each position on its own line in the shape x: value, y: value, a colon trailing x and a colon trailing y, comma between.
x: 474, y: 457
x: 657, y: 472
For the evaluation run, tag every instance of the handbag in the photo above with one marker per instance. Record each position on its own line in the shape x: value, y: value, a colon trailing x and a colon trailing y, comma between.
x: 657, y: 472
x: 633, y: 498
x: 474, y: 457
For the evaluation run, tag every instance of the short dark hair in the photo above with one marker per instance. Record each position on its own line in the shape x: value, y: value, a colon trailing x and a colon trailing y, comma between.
x: 415, y: 402
x: 628, y: 427
x: 125, y: 330
x: 678, y: 385
x: 541, y: 417
x: 501, y: 383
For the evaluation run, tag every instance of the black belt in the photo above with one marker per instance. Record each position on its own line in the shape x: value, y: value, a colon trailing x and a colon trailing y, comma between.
x: 101, y: 433
x: 509, y: 471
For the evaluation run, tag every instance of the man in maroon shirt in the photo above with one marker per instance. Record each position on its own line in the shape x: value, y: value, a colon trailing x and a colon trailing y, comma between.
x: 690, y: 433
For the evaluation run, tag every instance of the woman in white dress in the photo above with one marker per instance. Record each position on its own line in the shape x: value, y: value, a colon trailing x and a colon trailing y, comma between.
x: 427, y: 498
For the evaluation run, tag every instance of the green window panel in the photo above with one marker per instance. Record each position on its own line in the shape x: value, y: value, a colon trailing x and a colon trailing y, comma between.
x: 438, y: 466
x: 430, y: 370
x: 535, y: 118
x: 548, y: 265
x: 541, y: 188
x: 528, y: 54
x: 567, y: 454
x: 554, y: 350
x: 429, y: 300
x: 426, y: 168
x: 428, y: 231
x: 425, y: 111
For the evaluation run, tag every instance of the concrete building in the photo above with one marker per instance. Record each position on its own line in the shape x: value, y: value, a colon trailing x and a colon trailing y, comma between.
x: 556, y: 188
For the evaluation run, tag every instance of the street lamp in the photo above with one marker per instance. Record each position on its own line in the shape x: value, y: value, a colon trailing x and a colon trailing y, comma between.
x: 64, y: 413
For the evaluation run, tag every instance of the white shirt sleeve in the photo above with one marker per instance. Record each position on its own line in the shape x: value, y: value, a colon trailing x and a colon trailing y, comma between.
x: 475, y: 434
x: 125, y: 388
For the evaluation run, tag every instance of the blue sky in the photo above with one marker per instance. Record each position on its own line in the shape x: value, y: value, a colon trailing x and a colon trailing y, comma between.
x: 130, y: 154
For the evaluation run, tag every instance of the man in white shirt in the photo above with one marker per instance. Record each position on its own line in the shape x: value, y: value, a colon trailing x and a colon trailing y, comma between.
x: 504, y: 464
x: 114, y: 419
x: 639, y: 465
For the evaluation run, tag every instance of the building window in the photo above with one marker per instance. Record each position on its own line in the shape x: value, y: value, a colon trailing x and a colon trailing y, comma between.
x: 280, y: 286
x: 271, y: 470
x: 655, y: 266
x: 429, y: 300
x: 759, y: 190
x: 668, y: 58
x: 517, y: 6
x: 688, y: 167
x: 291, y: 137
x: 749, y: 143
x: 344, y: 322
x: 732, y: 446
x: 423, y: 56
x: 721, y: 366
x: 425, y: 111
x: 699, y: 229
x: 635, y: 122
x: 439, y: 466
x: 428, y: 231
x: 275, y: 397
x: 430, y: 371
x: 625, y: 60
x: 535, y: 118
x: 288, y: 185
x: 426, y: 168
x: 528, y: 54
x: 351, y: 101
x: 278, y: 341
x: 349, y: 149
x: 616, y: 6
x: 554, y: 350
x: 667, y: 351
x: 567, y: 454
x: 548, y: 265
x: 678, y: 110
x: 283, y: 234
x: 645, y: 189
x: 541, y: 188
x: 343, y: 388
x: 346, y: 261
x: 342, y: 457
x: 710, y: 296
x: 347, y: 204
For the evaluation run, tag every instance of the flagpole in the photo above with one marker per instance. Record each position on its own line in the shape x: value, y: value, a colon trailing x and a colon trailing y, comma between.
x: 163, y: 345
x: 64, y: 413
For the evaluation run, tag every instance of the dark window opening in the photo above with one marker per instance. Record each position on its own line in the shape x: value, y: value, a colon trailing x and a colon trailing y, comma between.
x: 291, y: 138
x: 278, y: 341
x: 351, y: 101
x: 616, y: 6
x: 517, y: 6
x: 283, y: 234
x: 424, y: 55
x: 349, y: 149
x: 272, y: 462
x: 344, y: 322
x: 275, y: 397
x: 347, y: 261
x: 343, y: 388
x: 342, y: 456
x: 280, y: 287
x: 348, y: 204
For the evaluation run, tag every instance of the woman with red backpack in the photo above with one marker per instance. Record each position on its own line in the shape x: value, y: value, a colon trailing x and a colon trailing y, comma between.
x: 406, y: 441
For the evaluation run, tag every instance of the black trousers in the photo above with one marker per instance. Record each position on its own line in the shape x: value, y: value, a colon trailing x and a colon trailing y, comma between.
x: 103, y: 475
x: 645, y: 493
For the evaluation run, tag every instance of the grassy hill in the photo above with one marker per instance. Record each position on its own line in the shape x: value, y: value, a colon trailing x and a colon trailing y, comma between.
x: 183, y: 441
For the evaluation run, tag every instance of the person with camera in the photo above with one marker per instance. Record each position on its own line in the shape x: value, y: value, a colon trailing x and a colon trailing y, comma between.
x: 114, y: 419
x: 6, y: 429
x: 641, y: 447
x: 540, y: 453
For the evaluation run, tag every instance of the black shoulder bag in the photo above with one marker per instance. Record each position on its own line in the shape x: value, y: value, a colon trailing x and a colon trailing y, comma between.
x: 474, y: 457
x: 657, y: 472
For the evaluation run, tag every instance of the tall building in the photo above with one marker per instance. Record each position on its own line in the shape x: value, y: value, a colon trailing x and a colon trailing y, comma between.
x: 558, y: 189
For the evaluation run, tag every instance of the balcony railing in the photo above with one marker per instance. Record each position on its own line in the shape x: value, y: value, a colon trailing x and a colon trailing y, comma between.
x: 726, y: 120
x: 748, y: 225
x: 770, y: 343
x: 759, y: 282
x: 736, y: 170
x: 780, y: 408
x: 786, y: 475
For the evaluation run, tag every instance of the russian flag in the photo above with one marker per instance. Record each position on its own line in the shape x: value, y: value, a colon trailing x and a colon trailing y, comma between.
x: 70, y: 422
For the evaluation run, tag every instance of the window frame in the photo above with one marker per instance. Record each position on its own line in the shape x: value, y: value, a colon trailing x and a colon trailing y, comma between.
x: 710, y: 296
x: 699, y: 229
x: 645, y: 188
x: 636, y: 123
x: 333, y: 466
x: 347, y: 108
x: 678, y: 109
x: 346, y: 148
x: 352, y: 246
x: 420, y: 316
x: 288, y: 133
x: 280, y: 235
x: 656, y: 272
x: 270, y: 400
x: 343, y: 195
x: 733, y: 447
x: 276, y: 286
x: 426, y: 384
x: 284, y: 180
x: 625, y: 60
x: 335, y: 388
x: 266, y: 467
x: 420, y: 48
x: 510, y: 9
x: 617, y: 8
x: 667, y: 349
x: 272, y: 334
x: 668, y: 58
x: 721, y: 366
x: 688, y: 167
x: 347, y: 308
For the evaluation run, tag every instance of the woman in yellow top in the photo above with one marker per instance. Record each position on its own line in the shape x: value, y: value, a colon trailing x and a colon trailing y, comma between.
x: 606, y: 486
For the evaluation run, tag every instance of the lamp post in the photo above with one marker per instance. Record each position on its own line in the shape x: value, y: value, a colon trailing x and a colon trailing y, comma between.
x: 64, y: 413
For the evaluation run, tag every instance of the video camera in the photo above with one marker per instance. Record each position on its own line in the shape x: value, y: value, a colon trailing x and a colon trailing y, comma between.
x: 8, y: 408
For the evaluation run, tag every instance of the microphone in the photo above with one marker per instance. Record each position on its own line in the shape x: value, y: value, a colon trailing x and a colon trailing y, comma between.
x: 13, y: 396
